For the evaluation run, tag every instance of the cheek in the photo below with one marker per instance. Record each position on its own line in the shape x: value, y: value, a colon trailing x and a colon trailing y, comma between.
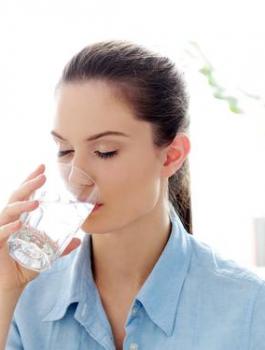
x: 129, y: 191
x: 134, y: 181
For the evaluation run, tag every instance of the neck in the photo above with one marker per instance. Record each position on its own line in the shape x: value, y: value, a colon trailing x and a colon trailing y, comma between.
x: 123, y: 260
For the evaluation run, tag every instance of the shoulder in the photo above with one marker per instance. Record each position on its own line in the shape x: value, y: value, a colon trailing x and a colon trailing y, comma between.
x: 48, y: 298
x: 206, y: 258
x: 208, y: 265
x: 228, y: 295
x: 221, y: 274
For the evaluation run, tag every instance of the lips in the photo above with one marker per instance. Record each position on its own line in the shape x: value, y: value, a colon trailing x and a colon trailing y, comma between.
x: 98, y: 205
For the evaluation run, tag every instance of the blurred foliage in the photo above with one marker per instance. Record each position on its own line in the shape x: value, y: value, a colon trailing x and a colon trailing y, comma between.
x: 220, y: 92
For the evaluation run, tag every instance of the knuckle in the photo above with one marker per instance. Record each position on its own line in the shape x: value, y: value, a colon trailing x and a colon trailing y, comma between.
x: 6, y: 209
x: 9, y: 206
x: 11, y: 198
x: 9, y: 217
x: 6, y: 212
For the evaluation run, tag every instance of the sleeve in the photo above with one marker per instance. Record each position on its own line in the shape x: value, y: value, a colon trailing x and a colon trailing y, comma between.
x: 13, y: 339
x: 257, y: 327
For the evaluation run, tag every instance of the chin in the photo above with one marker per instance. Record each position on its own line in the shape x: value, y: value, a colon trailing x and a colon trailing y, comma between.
x: 113, y: 220
x: 95, y: 226
x: 103, y: 225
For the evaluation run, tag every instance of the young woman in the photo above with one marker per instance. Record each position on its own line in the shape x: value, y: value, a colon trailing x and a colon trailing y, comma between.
x: 139, y: 280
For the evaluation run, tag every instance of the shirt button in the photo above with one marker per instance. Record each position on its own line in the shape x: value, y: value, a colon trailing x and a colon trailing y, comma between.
x: 134, y: 310
x: 133, y: 346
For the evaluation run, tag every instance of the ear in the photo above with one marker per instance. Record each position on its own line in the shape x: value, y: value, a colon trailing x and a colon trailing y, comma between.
x: 175, y: 154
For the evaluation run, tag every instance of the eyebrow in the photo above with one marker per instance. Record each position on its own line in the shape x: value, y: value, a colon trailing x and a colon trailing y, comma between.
x: 93, y: 137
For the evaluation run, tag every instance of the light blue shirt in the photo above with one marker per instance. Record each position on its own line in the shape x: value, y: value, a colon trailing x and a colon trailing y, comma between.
x: 193, y: 299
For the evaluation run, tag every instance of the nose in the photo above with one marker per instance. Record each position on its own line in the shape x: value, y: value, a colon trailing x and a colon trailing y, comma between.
x: 78, y: 182
x: 74, y: 174
x: 79, y: 177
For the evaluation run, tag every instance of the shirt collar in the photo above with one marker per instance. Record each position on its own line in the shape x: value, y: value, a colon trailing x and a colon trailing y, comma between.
x: 161, y: 291
x: 159, y: 294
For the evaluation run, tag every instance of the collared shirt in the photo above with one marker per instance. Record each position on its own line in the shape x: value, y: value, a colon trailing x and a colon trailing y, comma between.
x: 193, y: 299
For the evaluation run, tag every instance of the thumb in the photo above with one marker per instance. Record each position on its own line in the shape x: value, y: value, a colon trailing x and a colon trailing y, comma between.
x: 75, y: 243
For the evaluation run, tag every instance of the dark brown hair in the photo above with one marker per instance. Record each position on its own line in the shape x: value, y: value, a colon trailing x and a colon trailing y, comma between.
x: 155, y: 90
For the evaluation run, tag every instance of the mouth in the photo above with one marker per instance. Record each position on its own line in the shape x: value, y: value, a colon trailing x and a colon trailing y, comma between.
x: 97, y: 206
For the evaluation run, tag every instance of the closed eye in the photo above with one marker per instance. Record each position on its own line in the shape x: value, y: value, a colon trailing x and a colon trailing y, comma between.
x: 99, y: 154
x: 62, y: 153
x: 106, y: 154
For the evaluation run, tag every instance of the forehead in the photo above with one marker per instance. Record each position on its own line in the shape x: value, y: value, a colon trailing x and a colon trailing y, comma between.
x: 91, y: 107
x: 93, y: 104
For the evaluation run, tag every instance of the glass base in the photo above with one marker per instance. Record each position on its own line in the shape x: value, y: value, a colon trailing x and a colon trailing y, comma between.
x: 28, y: 254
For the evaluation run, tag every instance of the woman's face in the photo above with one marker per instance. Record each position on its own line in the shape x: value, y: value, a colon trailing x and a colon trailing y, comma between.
x: 126, y: 168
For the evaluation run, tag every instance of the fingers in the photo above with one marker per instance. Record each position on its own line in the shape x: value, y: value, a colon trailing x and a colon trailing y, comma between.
x: 7, y: 230
x: 13, y: 211
x: 27, y: 188
x: 18, y: 203
x: 75, y: 242
x: 39, y: 170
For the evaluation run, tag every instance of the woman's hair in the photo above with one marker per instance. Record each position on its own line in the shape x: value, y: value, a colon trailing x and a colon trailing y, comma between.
x: 155, y: 90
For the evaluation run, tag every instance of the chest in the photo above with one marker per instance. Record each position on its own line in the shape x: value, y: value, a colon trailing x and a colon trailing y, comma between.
x: 117, y: 315
x: 118, y: 334
x: 117, y: 310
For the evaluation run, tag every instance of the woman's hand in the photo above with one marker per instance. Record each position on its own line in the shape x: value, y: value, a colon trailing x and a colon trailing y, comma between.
x: 13, y: 276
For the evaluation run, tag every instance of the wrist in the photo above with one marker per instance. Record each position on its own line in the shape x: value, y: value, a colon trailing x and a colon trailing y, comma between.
x: 11, y: 292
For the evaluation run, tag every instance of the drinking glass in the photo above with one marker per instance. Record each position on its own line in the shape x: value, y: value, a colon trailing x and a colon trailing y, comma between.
x: 66, y: 199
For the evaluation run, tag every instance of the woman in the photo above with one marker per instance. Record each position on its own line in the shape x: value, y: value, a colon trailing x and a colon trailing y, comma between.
x: 139, y: 280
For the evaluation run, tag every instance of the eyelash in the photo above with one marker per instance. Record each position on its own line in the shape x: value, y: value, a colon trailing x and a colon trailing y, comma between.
x: 99, y: 154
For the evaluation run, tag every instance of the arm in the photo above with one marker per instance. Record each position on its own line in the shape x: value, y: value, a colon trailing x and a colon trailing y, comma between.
x: 8, y: 301
x: 13, y: 277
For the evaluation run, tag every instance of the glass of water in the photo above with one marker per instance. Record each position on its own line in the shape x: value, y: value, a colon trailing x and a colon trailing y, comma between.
x: 66, y: 199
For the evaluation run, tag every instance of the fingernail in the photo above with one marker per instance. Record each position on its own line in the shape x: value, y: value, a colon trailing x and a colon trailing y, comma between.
x: 40, y: 166
x: 16, y: 223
